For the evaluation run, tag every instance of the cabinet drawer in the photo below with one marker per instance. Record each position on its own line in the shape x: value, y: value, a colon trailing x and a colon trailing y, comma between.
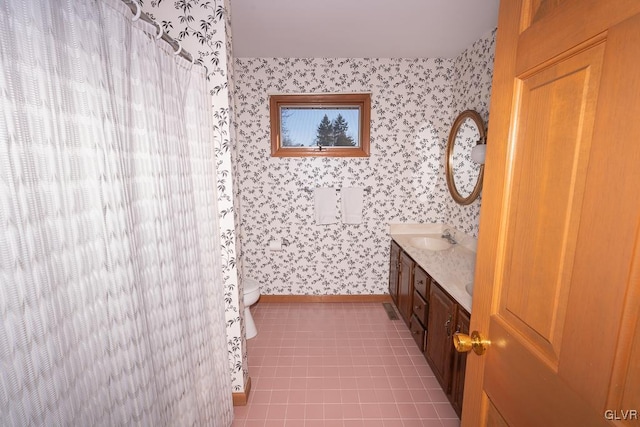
x: 422, y: 282
x: 417, y: 332
x: 420, y: 308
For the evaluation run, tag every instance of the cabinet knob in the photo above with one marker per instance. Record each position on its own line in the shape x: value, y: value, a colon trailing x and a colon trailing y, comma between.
x: 464, y: 343
x: 418, y: 307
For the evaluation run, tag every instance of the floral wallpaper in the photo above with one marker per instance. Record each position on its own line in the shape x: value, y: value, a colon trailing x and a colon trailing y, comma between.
x: 410, y: 116
x: 473, y: 71
x: 414, y: 103
x: 202, y: 27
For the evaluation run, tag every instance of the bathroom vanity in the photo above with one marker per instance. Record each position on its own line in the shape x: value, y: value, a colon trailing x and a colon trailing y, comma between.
x: 430, y: 282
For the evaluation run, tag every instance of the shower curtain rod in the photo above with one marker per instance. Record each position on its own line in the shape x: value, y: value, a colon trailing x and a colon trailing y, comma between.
x: 177, y: 47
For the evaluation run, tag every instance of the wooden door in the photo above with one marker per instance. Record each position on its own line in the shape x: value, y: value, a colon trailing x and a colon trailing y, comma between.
x: 394, y: 262
x: 441, y: 322
x: 459, y: 363
x: 557, y: 288
x: 405, y: 288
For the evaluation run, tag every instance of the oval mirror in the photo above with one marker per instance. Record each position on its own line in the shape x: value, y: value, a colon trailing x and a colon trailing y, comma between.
x: 464, y: 176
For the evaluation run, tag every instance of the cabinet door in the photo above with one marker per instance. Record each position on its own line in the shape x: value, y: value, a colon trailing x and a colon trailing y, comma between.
x: 405, y: 288
x: 459, y: 363
x: 439, y: 332
x: 394, y: 261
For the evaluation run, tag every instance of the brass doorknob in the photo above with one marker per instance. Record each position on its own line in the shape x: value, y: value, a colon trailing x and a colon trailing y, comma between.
x: 464, y: 343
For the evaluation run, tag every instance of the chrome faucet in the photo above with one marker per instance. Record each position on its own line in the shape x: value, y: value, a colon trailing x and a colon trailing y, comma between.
x: 446, y: 234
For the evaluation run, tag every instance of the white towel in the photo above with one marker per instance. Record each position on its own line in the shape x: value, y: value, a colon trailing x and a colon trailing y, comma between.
x: 326, y: 201
x: 352, y: 205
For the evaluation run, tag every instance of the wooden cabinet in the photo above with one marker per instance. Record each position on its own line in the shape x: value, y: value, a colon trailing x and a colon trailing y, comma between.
x: 405, y: 287
x: 442, y: 311
x: 459, y: 363
x: 445, y: 318
x: 432, y: 316
x: 394, y: 269
x: 401, y: 281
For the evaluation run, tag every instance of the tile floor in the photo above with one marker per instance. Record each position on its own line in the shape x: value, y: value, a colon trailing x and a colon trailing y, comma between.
x: 338, y: 364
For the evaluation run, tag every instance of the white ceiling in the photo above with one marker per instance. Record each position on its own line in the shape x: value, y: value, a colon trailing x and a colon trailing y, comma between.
x: 358, y: 28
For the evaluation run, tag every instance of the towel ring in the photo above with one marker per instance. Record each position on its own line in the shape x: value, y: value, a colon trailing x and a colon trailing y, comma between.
x: 138, y: 11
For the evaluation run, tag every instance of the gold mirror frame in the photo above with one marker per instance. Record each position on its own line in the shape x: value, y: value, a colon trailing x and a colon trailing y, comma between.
x: 448, y: 164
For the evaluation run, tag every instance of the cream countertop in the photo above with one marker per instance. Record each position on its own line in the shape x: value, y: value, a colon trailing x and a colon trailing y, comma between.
x: 452, y: 268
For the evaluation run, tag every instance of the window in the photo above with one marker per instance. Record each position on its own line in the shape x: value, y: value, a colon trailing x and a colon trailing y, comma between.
x: 320, y: 125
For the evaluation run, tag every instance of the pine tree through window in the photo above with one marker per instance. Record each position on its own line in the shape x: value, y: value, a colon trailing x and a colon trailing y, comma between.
x: 320, y: 125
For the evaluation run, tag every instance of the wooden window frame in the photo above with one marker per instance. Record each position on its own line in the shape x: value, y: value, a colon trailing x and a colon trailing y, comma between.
x: 360, y: 100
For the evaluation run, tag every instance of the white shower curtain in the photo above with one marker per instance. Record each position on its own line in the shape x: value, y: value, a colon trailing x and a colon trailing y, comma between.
x: 111, y: 300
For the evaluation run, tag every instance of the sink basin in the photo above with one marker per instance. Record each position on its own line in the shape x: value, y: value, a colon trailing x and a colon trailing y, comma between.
x: 469, y: 288
x: 433, y: 243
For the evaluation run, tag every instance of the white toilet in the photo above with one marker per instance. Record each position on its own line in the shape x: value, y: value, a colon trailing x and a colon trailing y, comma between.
x: 251, y: 296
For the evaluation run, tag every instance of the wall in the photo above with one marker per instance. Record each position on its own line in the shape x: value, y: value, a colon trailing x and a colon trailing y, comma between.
x: 410, y: 116
x: 414, y: 102
x: 472, y: 73
x: 203, y: 29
